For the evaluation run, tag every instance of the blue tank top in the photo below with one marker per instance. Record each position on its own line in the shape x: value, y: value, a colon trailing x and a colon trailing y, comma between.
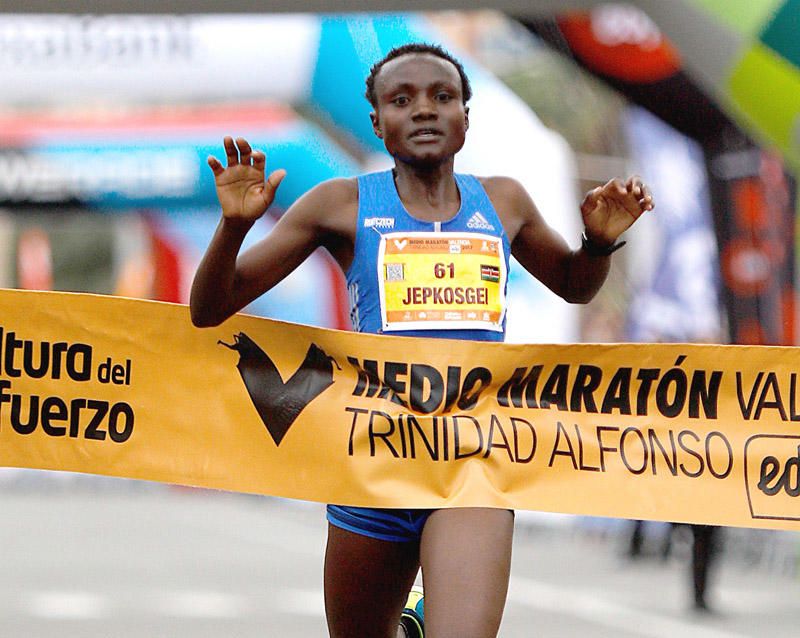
x: 411, y: 277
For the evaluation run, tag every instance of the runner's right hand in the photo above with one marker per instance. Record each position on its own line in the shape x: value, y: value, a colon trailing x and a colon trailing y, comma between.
x: 242, y: 191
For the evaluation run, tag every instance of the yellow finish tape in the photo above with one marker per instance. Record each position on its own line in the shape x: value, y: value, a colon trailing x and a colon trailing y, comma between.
x: 122, y: 387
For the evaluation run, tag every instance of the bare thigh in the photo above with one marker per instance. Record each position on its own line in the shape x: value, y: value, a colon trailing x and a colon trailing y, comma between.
x: 366, y: 583
x: 466, y: 562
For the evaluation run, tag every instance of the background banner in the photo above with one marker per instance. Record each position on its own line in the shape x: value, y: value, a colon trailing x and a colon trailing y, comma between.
x: 129, y: 388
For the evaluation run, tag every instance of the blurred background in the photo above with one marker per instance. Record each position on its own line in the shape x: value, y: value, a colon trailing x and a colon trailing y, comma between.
x: 105, y: 124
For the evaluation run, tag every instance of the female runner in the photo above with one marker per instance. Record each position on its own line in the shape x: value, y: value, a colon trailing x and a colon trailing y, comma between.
x: 419, y: 94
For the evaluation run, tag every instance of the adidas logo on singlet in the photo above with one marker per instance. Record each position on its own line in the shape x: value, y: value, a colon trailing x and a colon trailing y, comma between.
x: 479, y: 222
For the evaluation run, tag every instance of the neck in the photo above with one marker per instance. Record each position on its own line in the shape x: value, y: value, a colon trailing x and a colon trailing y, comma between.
x: 428, y: 191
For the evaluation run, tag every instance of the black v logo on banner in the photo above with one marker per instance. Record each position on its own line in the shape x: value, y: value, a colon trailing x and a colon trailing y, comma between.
x: 279, y: 402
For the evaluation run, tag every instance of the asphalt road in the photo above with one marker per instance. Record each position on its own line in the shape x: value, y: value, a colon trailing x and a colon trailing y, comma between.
x: 120, y: 559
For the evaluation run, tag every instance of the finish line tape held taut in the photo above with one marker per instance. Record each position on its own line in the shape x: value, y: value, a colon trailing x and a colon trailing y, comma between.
x: 129, y: 388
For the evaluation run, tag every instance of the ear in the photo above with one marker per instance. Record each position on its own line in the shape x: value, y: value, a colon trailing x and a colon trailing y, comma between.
x: 376, y: 126
x: 466, y: 118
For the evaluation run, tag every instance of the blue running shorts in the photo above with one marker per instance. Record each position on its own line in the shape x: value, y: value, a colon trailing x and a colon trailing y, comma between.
x: 398, y: 525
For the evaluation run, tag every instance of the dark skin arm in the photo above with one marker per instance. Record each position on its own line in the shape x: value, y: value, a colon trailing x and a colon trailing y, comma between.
x: 325, y: 216
x: 574, y: 275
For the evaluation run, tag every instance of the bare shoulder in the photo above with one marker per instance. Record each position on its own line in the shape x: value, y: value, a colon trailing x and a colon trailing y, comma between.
x: 340, y: 189
x: 501, y: 185
x: 331, y: 205
x: 333, y: 193
x: 506, y: 192
x: 511, y: 200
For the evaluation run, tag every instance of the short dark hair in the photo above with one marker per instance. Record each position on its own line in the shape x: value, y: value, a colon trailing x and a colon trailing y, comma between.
x: 416, y: 47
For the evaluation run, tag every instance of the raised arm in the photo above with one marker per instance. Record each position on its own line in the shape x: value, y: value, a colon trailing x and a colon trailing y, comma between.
x: 226, y: 282
x: 574, y: 275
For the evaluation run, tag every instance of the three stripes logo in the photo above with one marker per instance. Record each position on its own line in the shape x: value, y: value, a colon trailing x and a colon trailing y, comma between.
x: 479, y: 222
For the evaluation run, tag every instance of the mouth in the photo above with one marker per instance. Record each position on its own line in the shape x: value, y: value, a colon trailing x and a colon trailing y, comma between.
x: 425, y: 134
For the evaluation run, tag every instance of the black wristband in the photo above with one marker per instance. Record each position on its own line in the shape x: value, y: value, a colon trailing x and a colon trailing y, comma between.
x: 596, y: 250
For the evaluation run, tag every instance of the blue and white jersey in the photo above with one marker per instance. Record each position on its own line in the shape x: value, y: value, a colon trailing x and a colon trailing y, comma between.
x: 428, y: 279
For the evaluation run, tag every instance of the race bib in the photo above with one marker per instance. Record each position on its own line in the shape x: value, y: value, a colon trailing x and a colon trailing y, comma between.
x: 442, y: 281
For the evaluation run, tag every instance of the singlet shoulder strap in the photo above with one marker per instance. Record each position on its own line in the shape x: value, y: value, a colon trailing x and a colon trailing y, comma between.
x: 373, y: 189
x: 471, y: 187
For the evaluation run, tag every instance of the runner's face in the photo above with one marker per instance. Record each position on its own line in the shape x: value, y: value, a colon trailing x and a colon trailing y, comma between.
x: 420, y: 115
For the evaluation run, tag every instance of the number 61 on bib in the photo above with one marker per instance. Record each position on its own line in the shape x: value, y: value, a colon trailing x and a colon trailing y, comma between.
x: 442, y: 281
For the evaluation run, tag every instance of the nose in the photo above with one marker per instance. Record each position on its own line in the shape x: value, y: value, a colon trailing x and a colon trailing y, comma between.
x: 424, y: 109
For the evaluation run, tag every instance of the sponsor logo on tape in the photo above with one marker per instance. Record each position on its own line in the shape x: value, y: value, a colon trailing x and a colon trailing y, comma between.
x: 772, y: 476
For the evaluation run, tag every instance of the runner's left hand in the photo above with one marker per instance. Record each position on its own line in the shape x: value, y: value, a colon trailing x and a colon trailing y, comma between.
x: 609, y: 210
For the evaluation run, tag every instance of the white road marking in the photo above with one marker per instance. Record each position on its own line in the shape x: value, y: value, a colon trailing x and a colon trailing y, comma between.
x: 77, y: 605
x: 200, y: 604
x: 301, y: 602
x: 594, y: 609
x: 309, y: 538
x: 753, y: 601
x: 67, y: 605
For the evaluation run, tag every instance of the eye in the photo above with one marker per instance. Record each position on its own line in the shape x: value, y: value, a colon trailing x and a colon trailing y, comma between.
x: 400, y: 100
x: 443, y: 97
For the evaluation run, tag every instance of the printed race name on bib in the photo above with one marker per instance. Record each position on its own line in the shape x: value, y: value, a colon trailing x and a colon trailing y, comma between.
x: 442, y: 281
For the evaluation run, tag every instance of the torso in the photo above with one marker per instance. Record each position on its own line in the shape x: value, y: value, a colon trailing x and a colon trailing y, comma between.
x: 417, y: 277
x: 339, y: 227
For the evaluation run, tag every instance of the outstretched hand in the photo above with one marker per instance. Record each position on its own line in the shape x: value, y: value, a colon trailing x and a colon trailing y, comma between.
x: 609, y: 210
x: 243, y: 192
